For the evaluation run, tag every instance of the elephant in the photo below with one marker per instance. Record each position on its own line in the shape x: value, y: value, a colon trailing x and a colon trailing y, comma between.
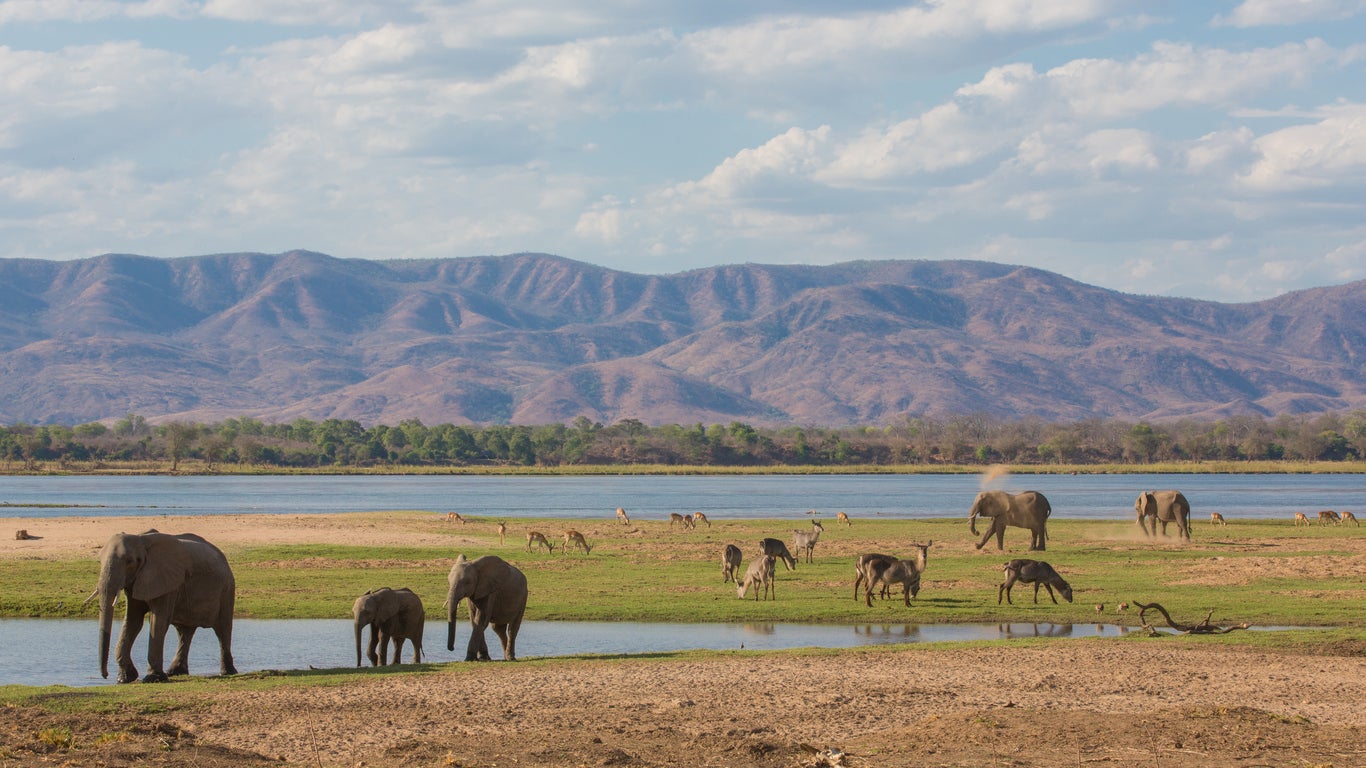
x: 497, y: 594
x: 391, y: 614
x: 1022, y: 510
x: 1164, y: 507
x: 183, y: 581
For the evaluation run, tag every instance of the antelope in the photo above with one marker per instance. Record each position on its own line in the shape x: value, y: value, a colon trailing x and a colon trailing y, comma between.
x: 760, y: 576
x: 840, y: 517
x: 539, y: 539
x: 674, y: 517
x: 621, y: 515
x: 1301, y: 519
x: 1217, y: 519
x: 805, y: 541
x: 1034, y: 572
x: 1329, y: 516
x: 777, y: 549
x: 454, y: 517
x: 1348, y: 517
x: 863, y: 562
x: 698, y: 517
x: 730, y: 563
x: 689, y: 522
x: 894, y: 571
x: 575, y: 538
x: 502, y: 531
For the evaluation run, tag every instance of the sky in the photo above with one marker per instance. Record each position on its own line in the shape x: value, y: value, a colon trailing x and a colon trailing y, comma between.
x: 1212, y: 150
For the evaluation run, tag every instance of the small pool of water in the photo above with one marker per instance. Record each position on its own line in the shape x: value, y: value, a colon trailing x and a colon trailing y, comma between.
x: 66, y: 651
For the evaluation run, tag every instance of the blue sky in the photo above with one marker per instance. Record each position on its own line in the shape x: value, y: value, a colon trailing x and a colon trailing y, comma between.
x: 1212, y: 150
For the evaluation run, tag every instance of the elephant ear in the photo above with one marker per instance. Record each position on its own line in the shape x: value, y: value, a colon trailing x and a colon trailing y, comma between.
x: 167, y: 566
x: 387, y: 607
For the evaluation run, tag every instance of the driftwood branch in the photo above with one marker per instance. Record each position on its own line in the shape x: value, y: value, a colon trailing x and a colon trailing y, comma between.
x: 1202, y: 628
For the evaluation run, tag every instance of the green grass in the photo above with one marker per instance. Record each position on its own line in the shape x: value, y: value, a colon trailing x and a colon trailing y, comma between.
x: 649, y: 572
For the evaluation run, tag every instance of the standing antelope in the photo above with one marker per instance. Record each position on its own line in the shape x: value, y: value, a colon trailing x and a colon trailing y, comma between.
x: 805, y: 541
x: 621, y: 515
x: 840, y: 517
x: 894, y: 571
x: 730, y: 563
x: 1329, y: 516
x: 881, y: 563
x: 1348, y: 517
x: 502, y: 530
x: 777, y: 549
x: 1217, y: 519
x: 539, y: 539
x: 760, y: 576
x: 1035, y: 572
x: 575, y: 538
x: 1300, y: 518
x: 698, y: 517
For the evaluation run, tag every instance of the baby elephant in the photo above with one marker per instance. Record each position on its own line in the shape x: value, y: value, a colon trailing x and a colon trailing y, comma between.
x: 1034, y: 572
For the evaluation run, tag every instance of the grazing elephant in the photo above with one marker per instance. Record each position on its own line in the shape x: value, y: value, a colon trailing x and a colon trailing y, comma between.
x: 391, y: 614
x: 1022, y: 510
x: 183, y: 581
x: 497, y: 594
x: 1164, y: 507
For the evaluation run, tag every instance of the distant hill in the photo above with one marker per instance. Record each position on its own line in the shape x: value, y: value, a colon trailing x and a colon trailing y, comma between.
x: 534, y: 339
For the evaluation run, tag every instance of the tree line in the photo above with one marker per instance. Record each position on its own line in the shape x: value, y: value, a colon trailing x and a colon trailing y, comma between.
x: 951, y: 440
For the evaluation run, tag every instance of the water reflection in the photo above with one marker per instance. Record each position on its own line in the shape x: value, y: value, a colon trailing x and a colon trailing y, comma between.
x: 70, y: 645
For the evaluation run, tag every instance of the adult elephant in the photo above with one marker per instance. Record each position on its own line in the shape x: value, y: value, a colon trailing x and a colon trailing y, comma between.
x: 391, y: 614
x: 1164, y: 507
x: 497, y: 594
x: 182, y: 581
x: 1022, y: 510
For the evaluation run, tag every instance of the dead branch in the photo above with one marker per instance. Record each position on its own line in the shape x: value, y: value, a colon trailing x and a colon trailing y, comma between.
x: 1202, y: 628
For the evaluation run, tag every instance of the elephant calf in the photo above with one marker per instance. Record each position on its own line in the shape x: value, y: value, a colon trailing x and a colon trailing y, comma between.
x: 1034, y: 572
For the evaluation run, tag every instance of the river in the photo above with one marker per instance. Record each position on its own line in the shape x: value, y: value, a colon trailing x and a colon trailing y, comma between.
x: 1260, y: 496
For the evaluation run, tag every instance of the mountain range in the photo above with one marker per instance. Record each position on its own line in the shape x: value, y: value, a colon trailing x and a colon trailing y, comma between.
x: 538, y: 339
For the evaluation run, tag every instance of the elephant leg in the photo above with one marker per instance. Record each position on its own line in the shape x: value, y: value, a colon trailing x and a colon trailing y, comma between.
x: 156, y: 646
x: 180, y: 664
x: 999, y: 526
x: 987, y: 536
x: 372, y: 648
x: 476, y: 650
x: 510, y: 648
x: 501, y: 630
x: 383, y: 648
x: 132, y: 625
x: 225, y: 662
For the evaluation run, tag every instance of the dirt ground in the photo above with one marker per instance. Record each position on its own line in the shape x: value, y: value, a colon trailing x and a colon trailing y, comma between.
x: 1123, y: 702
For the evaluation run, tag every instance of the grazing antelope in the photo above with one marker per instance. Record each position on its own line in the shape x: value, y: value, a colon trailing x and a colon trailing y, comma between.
x: 1217, y: 519
x: 502, y: 531
x: 1035, y: 572
x: 698, y: 517
x: 674, y: 517
x: 689, y: 522
x: 760, y: 576
x: 454, y: 517
x: 1301, y: 519
x: 621, y: 515
x: 895, y: 571
x: 730, y: 563
x: 1329, y: 516
x: 539, y: 539
x: 777, y: 549
x: 1348, y: 517
x: 840, y: 517
x: 863, y: 562
x: 805, y: 541
x: 575, y: 538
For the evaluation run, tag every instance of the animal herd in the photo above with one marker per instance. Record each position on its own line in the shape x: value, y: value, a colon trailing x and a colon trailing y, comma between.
x: 185, y: 582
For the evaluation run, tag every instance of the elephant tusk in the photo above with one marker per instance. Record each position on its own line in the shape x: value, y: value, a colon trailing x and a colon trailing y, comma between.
x: 88, y: 599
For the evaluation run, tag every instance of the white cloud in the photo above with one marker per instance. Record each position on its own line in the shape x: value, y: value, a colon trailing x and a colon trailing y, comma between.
x: 1330, y: 152
x: 1264, y: 13
x: 18, y: 11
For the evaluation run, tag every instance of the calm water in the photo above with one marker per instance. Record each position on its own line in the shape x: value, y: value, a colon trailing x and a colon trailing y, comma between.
x: 70, y: 647
x: 898, y: 496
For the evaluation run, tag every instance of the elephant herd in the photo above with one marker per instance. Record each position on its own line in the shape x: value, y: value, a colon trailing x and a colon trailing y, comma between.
x: 185, y: 582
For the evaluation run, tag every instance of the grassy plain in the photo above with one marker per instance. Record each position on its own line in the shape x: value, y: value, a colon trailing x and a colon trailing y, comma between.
x: 1264, y: 572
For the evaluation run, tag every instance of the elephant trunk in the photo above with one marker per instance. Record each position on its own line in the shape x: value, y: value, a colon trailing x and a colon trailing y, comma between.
x: 108, y: 592
x: 359, y: 627
x: 450, y: 622
x: 972, y: 520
